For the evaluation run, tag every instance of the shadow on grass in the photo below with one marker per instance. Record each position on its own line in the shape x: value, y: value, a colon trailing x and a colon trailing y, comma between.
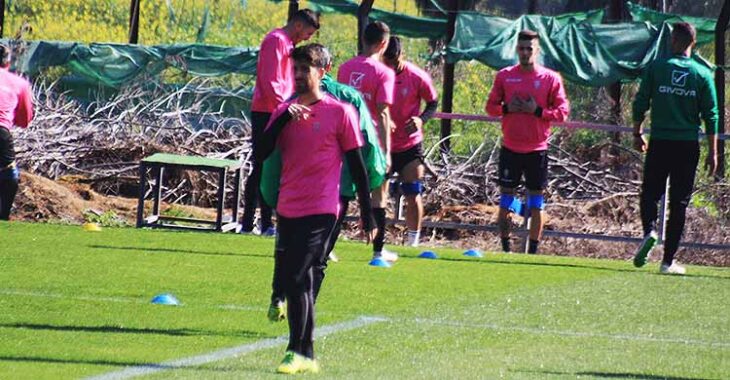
x: 130, y: 330
x: 615, y: 375
x: 577, y: 266
x: 32, y: 359
x: 176, y: 250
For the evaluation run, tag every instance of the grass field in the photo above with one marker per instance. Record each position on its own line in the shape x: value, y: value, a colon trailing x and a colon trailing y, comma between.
x: 76, y: 304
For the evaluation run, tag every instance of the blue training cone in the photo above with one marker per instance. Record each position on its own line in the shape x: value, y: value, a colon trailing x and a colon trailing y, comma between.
x: 165, y: 299
x: 428, y: 255
x: 473, y: 253
x: 379, y: 262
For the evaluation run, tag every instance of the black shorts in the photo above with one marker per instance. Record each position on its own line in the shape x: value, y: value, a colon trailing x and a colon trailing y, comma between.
x: 533, y: 165
x: 7, y: 149
x: 399, y: 160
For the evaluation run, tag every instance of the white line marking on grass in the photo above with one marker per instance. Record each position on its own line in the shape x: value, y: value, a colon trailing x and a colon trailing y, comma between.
x: 228, y: 353
x: 541, y: 331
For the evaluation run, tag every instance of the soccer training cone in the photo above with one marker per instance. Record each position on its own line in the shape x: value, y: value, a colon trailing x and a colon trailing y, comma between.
x: 165, y: 299
x: 379, y: 262
x: 91, y: 227
x: 428, y: 255
x: 473, y: 253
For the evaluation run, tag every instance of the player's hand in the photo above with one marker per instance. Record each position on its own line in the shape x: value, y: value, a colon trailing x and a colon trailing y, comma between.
x: 529, y: 105
x: 711, y: 164
x: 298, y: 111
x: 515, y: 105
x: 640, y: 143
x: 414, y: 124
x: 388, y: 162
x: 369, y: 236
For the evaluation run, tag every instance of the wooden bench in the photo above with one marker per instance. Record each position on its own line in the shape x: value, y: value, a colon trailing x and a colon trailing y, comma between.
x: 159, y: 162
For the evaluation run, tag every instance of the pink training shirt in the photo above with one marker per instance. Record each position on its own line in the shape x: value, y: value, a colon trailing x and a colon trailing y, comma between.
x: 274, y: 72
x: 522, y: 132
x: 412, y: 85
x: 311, y: 154
x: 373, y: 79
x: 16, y: 100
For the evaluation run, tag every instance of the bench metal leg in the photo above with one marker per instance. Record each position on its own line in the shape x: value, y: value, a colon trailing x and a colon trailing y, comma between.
x: 236, y: 195
x: 142, y: 189
x: 221, y: 199
x: 158, y: 191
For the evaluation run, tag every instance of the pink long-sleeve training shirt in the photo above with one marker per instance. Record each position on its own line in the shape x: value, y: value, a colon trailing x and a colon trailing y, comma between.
x: 16, y: 100
x: 274, y: 72
x: 522, y: 132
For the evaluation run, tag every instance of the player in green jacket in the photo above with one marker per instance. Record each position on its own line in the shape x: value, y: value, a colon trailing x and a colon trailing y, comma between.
x: 681, y: 94
x: 376, y: 169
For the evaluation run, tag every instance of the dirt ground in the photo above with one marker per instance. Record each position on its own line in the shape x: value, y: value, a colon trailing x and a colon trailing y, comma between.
x: 69, y: 199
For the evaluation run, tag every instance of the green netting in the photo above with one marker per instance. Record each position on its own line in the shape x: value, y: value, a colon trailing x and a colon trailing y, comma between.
x: 587, y: 53
x: 705, y: 26
x: 116, y: 64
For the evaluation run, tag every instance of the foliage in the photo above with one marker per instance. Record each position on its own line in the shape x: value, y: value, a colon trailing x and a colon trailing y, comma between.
x: 106, y: 219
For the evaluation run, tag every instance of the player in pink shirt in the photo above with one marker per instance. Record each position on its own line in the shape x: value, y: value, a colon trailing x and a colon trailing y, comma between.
x: 274, y: 84
x: 375, y: 81
x: 313, y: 132
x: 412, y: 86
x: 528, y: 97
x: 16, y: 109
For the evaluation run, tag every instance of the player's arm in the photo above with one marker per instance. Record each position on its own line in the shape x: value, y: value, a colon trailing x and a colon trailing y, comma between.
x: 24, y: 109
x: 281, y: 116
x: 386, y: 124
x: 642, y: 101
x: 709, y: 113
x: 359, y: 175
x: 496, y: 105
x: 558, y: 107
x: 641, y: 104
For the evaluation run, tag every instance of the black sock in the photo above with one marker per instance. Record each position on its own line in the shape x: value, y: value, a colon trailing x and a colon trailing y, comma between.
x: 506, y: 246
x: 532, y: 247
x: 379, y: 241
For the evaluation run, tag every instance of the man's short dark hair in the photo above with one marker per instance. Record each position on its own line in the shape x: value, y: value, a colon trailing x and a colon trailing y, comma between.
x: 395, y: 48
x: 311, y: 54
x: 324, y: 52
x: 375, y: 32
x: 4, y: 55
x: 306, y: 16
x: 684, y: 33
x: 527, y: 35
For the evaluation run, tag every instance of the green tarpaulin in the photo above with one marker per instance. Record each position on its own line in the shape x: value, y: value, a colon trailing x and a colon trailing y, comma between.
x: 115, y: 64
x: 401, y: 24
x: 583, y: 52
x: 419, y: 27
x: 705, y: 26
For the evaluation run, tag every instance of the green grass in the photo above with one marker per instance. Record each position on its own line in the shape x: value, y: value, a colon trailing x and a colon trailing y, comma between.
x: 76, y: 304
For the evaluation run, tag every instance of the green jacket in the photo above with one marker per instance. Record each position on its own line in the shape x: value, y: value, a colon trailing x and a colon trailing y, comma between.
x: 372, y: 154
x: 681, y: 93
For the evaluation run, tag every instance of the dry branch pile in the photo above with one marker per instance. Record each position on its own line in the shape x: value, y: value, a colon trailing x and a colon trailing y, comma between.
x: 105, y: 139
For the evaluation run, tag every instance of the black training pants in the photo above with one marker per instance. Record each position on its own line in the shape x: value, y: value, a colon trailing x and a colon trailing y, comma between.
x: 300, y: 245
x: 678, y: 161
x: 251, y: 193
